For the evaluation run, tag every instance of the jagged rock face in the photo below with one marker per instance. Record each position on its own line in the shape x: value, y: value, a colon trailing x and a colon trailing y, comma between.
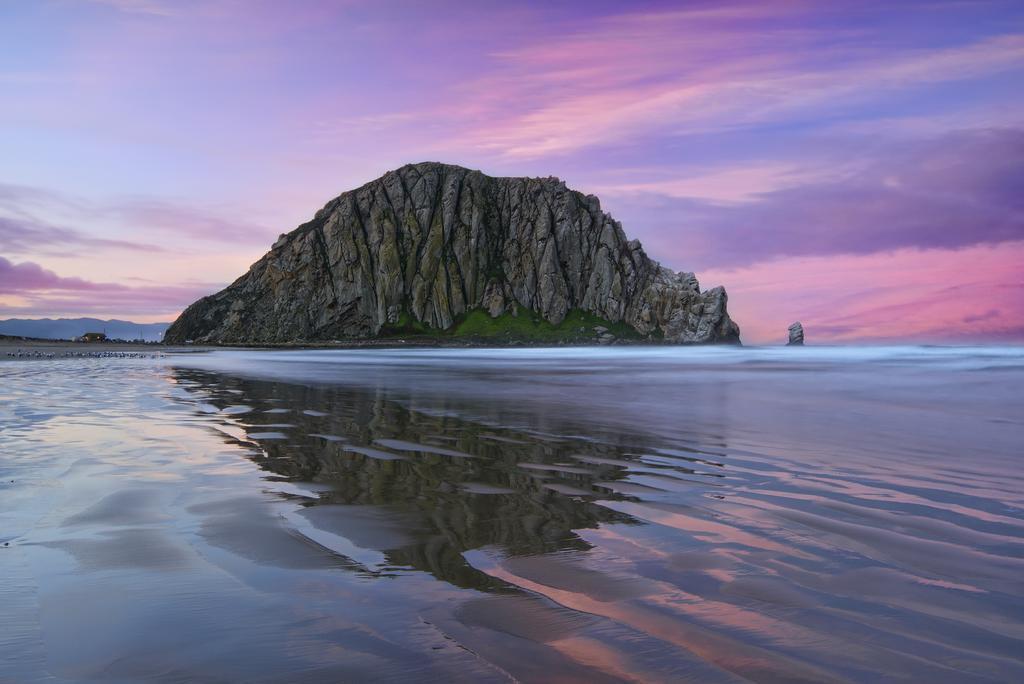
x: 432, y: 241
x: 796, y: 334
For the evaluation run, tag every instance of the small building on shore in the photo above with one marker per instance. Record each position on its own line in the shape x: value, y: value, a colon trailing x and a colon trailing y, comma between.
x: 92, y: 337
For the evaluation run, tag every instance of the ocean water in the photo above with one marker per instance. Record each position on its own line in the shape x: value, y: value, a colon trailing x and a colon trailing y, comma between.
x: 558, y: 515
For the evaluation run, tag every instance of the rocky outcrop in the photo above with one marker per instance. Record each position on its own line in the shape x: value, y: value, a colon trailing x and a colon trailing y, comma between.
x: 796, y: 335
x: 429, y: 242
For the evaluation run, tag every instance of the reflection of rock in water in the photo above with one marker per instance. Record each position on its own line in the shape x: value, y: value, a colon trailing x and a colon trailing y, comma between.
x: 448, y: 484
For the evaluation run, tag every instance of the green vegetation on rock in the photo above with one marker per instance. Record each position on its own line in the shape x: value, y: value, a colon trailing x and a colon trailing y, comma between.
x: 407, y: 326
x: 525, y: 326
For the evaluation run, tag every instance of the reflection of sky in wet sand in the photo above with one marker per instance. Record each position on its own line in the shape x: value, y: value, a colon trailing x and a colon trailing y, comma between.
x: 599, y: 515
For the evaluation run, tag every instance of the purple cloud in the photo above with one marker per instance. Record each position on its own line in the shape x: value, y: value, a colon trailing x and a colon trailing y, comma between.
x: 40, y: 290
x: 28, y: 276
x: 961, y: 189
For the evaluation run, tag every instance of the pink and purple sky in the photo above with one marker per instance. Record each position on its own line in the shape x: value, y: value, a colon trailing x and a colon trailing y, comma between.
x: 858, y: 166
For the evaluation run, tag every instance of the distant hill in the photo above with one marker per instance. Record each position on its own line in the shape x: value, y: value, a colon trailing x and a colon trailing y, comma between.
x: 69, y: 328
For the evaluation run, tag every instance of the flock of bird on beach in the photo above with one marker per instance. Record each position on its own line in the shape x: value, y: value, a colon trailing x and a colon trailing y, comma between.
x: 36, y: 354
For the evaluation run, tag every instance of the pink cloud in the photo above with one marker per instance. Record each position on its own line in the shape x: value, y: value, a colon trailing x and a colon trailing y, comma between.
x: 632, y: 75
x: 940, y: 295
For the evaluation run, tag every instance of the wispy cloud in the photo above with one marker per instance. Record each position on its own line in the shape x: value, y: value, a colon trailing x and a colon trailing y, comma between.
x: 161, y: 216
x: 24, y: 230
x: 27, y: 235
x: 730, y: 184
x: 684, y: 73
x: 156, y: 7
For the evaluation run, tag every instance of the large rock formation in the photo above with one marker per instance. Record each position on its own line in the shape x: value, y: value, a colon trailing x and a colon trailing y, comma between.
x: 430, y: 242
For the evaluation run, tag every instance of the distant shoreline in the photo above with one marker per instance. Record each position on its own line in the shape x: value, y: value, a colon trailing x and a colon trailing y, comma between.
x: 37, y: 349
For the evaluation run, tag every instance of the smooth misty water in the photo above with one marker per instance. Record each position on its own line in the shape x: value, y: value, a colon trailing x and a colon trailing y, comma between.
x: 823, y: 514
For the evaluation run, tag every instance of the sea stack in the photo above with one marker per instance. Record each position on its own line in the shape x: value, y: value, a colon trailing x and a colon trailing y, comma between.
x: 429, y: 244
x: 796, y: 335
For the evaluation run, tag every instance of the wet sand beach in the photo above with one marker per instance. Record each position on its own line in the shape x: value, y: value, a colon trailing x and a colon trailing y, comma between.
x: 577, y: 515
x: 18, y: 349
